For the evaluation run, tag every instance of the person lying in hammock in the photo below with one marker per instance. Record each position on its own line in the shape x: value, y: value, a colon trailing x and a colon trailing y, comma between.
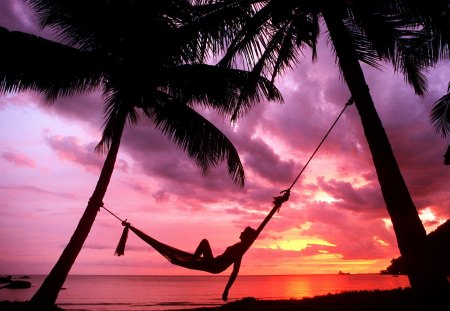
x: 232, y: 255
x: 203, y: 256
x: 203, y: 259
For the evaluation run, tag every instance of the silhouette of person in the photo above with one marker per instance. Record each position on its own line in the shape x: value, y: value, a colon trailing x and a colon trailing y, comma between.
x: 232, y: 255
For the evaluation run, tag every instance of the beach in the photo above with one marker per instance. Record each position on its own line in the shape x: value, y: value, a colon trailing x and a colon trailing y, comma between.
x: 387, y: 300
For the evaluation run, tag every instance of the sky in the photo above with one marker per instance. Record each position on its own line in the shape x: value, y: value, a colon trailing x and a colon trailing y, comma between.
x: 335, y: 220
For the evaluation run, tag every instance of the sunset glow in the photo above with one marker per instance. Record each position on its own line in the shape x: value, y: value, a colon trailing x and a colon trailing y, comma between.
x: 335, y: 219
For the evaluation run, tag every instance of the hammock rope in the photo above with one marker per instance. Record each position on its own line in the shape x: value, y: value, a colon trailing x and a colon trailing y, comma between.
x: 348, y: 103
x: 185, y: 259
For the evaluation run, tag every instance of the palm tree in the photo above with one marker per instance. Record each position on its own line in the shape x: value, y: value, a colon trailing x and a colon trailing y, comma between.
x: 102, y: 47
x: 269, y: 39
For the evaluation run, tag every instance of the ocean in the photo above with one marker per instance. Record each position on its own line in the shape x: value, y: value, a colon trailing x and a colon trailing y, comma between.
x: 139, y: 293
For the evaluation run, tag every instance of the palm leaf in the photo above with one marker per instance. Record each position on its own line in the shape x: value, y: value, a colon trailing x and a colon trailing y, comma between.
x: 117, y: 104
x: 28, y: 62
x: 85, y: 24
x: 203, y: 142
x: 193, y: 133
x: 228, y: 91
x: 217, y: 22
x: 271, y: 40
x: 440, y: 114
x: 435, y: 19
x: 251, y: 40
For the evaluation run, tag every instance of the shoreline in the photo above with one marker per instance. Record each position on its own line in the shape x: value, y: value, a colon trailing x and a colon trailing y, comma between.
x: 374, y: 300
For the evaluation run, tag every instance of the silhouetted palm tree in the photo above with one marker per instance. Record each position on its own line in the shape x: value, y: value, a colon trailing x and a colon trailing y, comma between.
x: 273, y: 32
x: 147, y: 61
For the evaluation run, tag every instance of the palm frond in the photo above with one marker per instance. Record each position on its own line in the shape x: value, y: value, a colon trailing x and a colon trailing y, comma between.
x: 271, y: 40
x: 118, y: 109
x: 28, y: 62
x: 434, y: 17
x: 251, y: 41
x: 202, y: 141
x: 217, y: 22
x: 389, y: 32
x: 280, y: 53
x: 87, y: 24
x: 413, y: 60
x: 225, y: 90
x: 440, y: 114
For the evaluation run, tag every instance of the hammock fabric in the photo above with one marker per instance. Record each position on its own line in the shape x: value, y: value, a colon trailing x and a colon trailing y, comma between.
x: 182, y: 258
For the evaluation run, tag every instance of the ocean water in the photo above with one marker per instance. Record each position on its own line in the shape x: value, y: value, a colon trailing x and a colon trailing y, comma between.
x: 139, y: 293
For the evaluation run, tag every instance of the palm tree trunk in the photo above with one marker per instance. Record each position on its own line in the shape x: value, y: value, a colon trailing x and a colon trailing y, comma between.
x: 411, y: 236
x: 49, y: 290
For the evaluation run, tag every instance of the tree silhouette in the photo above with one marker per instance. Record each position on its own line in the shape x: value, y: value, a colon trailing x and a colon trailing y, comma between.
x: 439, y: 239
x: 147, y: 58
x: 268, y: 36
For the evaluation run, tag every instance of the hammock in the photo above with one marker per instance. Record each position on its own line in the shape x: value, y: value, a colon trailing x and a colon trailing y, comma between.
x: 182, y: 258
x: 172, y: 254
x: 186, y: 259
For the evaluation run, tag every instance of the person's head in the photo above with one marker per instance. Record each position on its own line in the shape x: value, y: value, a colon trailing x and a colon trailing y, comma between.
x: 249, y: 234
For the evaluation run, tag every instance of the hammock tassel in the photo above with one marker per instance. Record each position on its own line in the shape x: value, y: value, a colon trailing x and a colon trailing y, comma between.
x: 120, y: 249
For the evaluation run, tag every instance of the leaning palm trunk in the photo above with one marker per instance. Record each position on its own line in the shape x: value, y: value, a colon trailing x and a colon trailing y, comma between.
x: 49, y: 290
x: 423, y: 273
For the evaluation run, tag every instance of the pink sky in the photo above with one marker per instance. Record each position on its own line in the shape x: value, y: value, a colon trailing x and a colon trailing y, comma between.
x: 335, y: 219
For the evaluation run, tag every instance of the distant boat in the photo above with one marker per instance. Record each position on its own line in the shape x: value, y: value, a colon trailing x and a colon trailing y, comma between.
x: 343, y: 273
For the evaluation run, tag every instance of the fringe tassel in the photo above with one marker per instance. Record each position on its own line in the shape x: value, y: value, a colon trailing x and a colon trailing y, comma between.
x: 120, y: 249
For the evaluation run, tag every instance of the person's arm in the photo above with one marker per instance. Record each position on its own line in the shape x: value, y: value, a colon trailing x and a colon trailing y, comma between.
x: 236, y: 267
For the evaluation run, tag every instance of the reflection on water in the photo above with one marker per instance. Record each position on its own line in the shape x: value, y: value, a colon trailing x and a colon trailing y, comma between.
x: 136, y: 293
x: 299, y: 286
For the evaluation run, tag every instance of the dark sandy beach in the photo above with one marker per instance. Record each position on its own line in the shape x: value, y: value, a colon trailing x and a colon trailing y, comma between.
x: 399, y: 299
x: 390, y: 300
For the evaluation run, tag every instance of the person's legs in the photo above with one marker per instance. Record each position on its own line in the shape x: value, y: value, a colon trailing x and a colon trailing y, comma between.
x: 203, y: 249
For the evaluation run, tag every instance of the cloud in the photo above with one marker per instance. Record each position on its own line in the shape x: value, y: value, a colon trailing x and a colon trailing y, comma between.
x: 366, y: 198
x: 18, y: 16
x: 28, y: 188
x: 17, y: 159
x: 15, y: 15
x: 261, y: 159
x: 71, y: 149
x: 85, y: 108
